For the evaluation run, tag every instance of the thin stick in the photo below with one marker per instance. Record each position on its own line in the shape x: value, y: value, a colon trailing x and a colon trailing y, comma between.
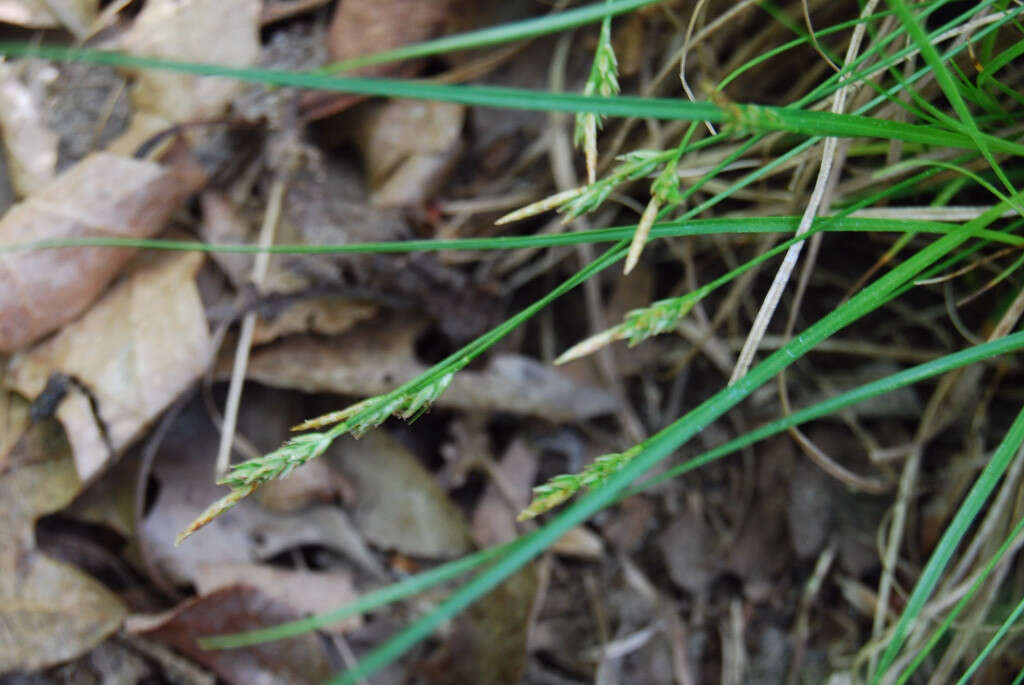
x: 259, y: 274
x: 771, y: 300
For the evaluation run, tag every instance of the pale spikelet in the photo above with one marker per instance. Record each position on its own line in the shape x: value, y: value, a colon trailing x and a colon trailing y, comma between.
x: 333, y: 417
x: 551, y: 202
x: 591, y: 344
x: 643, y: 230
x: 590, y: 146
x: 637, y: 326
x: 214, y: 510
x: 603, y: 81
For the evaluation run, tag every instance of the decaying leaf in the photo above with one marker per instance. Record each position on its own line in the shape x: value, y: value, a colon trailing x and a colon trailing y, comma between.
x: 320, y: 315
x: 295, y: 661
x: 104, y: 195
x: 51, y: 611
x: 135, y: 351
x: 376, y: 357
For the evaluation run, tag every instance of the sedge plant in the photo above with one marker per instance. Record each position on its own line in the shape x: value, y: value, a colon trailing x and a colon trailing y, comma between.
x: 942, y: 132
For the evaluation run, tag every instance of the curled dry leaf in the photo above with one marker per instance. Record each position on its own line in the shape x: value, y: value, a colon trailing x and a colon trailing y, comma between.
x: 51, y: 612
x: 135, y: 352
x: 102, y: 196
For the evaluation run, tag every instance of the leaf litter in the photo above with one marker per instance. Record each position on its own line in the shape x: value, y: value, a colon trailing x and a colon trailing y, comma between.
x: 660, y: 587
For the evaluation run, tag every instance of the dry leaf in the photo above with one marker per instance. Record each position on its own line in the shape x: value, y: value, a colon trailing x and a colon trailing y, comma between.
x: 378, y: 356
x: 629, y: 523
x: 362, y: 27
x: 690, y: 554
x: 295, y: 661
x: 75, y: 15
x: 400, y: 506
x: 222, y: 32
x: 579, y: 542
x: 408, y: 148
x: 304, y: 592
x: 487, y: 642
x: 51, y: 611
x: 494, y: 519
x: 321, y: 315
x: 30, y: 146
x: 104, y: 195
x: 136, y: 351
x: 14, y: 419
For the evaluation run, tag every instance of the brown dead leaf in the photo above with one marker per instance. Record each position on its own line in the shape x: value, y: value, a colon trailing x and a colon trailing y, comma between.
x: 295, y: 661
x: 102, y: 196
x: 304, y: 592
x: 136, y: 351
x: 400, y: 506
x: 51, y: 611
x: 30, y: 146
x: 378, y: 356
x: 14, y: 419
x: 629, y: 523
x: 74, y: 15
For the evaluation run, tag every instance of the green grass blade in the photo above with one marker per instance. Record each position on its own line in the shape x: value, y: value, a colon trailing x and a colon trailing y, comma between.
x: 743, y: 117
x: 667, y: 229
